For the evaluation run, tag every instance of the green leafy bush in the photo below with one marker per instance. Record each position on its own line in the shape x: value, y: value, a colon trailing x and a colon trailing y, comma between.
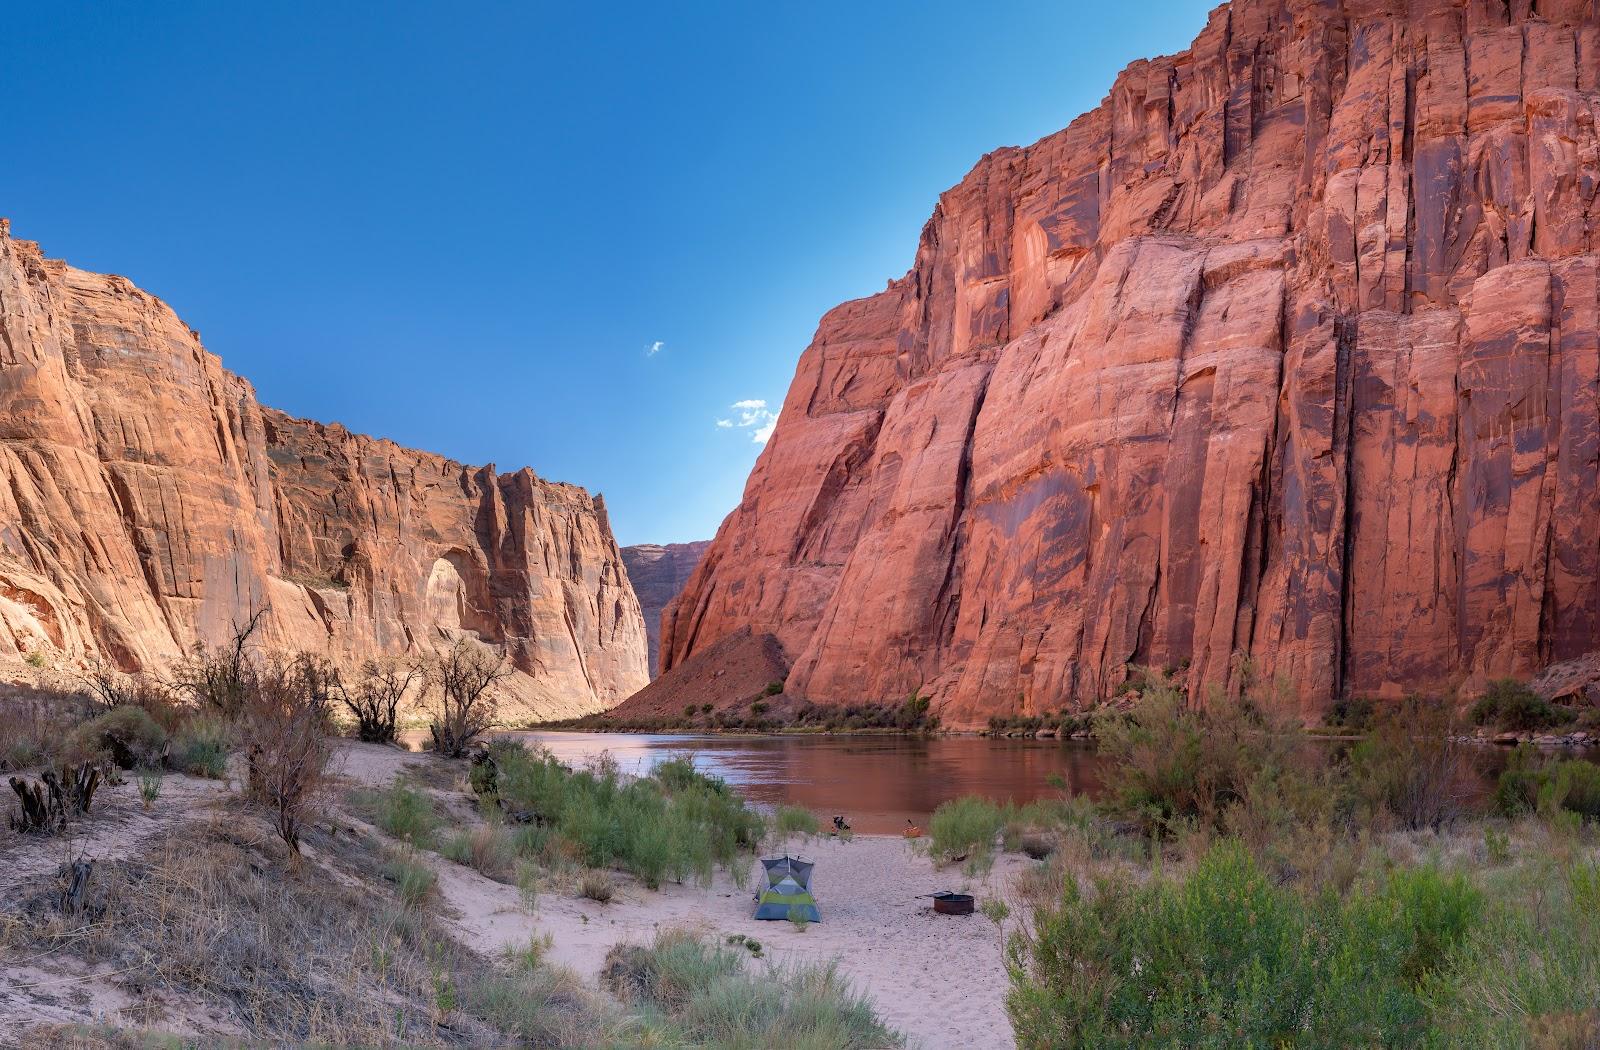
x: 1413, y: 766
x: 1510, y: 705
x: 1172, y: 765
x: 1530, y: 783
x: 1228, y: 958
x: 127, y: 736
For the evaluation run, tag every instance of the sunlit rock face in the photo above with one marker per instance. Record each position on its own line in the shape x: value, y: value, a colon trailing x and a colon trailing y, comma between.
x: 1282, y: 358
x: 658, y: 572
x: 148, y: 501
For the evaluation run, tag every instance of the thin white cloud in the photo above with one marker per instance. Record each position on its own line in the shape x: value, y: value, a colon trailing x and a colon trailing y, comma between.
x: 654, y: 348
x: 751, y: 414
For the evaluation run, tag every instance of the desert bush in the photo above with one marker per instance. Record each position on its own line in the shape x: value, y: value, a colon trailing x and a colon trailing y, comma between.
x: 1530, y: 782
x: 698, y: 993
x: 1225, y: 957
x: 597, y: 886
x: 1413, y: 766
x: 466, y: 708
x: 1353, y: 714
x: 375, y: 696
x: 1510, y: 705
x: 200, y: 747
x: 1172, y: 765
x: 219, y: 678
x: 486, y: 849
x: 284, y: 727
x: 126, y: 736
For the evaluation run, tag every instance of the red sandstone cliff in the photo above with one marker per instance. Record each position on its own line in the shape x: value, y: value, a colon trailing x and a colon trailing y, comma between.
x: 1287, y: 349
x: 658, y: 572
x: 148, y: 501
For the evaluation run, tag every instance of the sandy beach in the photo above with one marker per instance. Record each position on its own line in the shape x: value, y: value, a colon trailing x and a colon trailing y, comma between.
x: 938, y: 979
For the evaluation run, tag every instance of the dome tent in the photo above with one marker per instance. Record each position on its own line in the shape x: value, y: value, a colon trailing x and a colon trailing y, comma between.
x: 787, y: 892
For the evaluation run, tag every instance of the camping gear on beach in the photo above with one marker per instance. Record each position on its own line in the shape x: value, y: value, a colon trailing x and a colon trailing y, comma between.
x: 912, y: 831
x: 840, y: 824
x: 787, y: 892
x: 947, y: 903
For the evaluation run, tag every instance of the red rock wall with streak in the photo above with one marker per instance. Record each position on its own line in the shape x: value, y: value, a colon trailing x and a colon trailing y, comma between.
x: 148, y: 501
x: 1286, y: 350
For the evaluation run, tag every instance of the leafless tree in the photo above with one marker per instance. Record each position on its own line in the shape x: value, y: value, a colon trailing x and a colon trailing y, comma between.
x: 466, y: 710
x: 220, y: 677
x: 376, y: 696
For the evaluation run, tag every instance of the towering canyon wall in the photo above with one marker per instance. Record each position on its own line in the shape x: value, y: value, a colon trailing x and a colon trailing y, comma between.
x: 1287, y: 350
x: 147, y: 501
x: 658, y: 572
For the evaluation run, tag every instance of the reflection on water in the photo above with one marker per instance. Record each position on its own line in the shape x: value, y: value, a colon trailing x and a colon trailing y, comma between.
x: 878, y: 782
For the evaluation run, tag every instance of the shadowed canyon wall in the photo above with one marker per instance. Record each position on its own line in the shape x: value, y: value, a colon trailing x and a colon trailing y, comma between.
x: 147, y: 501
x: 1287, y: 351
x: 658, y: 572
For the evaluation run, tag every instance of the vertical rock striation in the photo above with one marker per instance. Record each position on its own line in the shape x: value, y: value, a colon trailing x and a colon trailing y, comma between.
x: 658, y: 572
x: 147, y: 501
x: 1289, y: 350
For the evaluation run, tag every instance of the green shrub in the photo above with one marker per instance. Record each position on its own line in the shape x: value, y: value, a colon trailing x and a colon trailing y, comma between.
x: 1508, y: 704
x: 1354, y: 714
x: 200, y: 747
x: 773, y: 689
x: 1172, y: 765
x: 1227, y: 958
x: 127, y: 736
x: 1413, y: 766
x: 1530, y: 783
x: 403, y: 812
x: 965, y: 829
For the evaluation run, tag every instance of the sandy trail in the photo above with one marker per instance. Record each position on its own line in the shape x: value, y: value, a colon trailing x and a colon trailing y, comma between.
x: 939, y: 979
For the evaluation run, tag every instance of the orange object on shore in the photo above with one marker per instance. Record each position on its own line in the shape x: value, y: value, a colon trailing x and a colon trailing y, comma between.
x: 912, y: 831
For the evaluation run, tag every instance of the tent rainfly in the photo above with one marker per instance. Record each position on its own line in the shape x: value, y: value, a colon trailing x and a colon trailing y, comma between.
x: 787, y: 893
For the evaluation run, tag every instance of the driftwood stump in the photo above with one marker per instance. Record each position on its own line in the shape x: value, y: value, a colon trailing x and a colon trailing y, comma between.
x: 74, y: 882
x: 41, y: 812
x: 49, y: 801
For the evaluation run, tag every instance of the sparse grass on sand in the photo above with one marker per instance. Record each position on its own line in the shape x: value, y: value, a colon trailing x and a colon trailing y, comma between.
x: 689, y: 991
x: 216, y: 914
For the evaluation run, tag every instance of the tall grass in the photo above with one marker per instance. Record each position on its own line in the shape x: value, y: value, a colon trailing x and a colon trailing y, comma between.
x: 675, y: 824
x: 693, y: 992
x: 403, y: 812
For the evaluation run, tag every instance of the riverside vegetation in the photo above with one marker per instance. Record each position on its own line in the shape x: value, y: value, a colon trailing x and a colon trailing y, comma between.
x: 292, y: 911
x: 1239, y: 885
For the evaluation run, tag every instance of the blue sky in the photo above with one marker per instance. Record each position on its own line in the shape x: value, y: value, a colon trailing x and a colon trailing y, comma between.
x: 569, y: 237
